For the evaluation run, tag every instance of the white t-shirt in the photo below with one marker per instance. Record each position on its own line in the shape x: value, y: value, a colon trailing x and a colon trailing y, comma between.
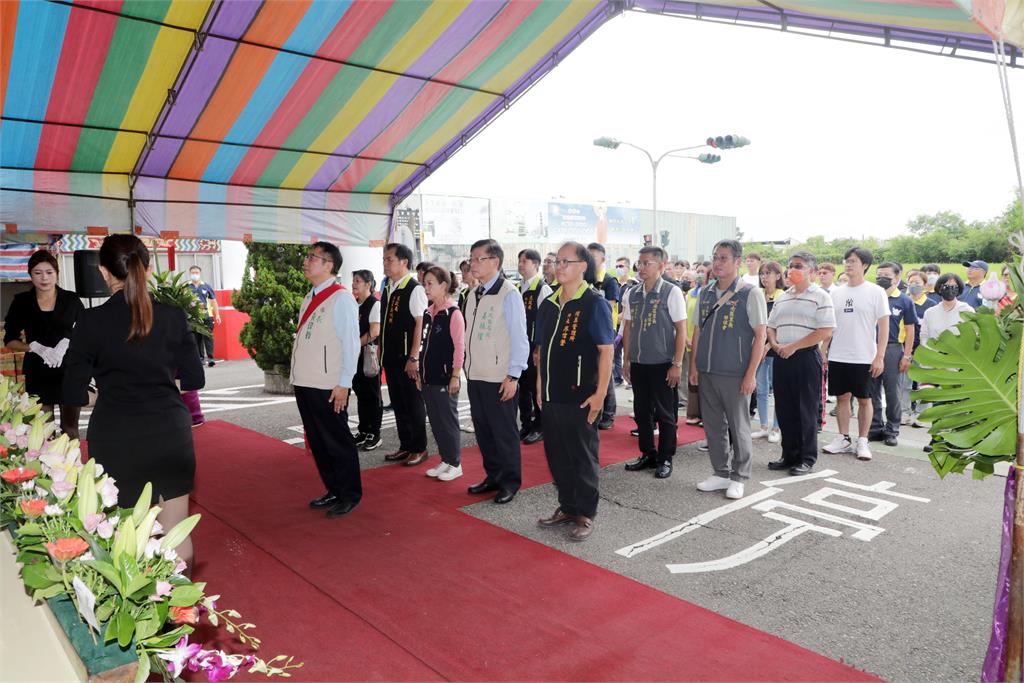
x: 752, y: 280
x: 857, y: 311
x: 937, y: 320
x: 676, y: 302
x: 374, y: 316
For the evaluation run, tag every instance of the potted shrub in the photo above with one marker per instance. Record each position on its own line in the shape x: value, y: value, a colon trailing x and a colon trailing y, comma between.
x: 272, y: 291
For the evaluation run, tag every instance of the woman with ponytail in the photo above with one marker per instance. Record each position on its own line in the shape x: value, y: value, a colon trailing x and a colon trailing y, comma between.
x: 140, y: 430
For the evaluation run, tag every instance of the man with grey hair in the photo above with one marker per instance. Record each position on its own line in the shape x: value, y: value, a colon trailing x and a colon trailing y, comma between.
x: 803, y: 316
x: 728, y: 344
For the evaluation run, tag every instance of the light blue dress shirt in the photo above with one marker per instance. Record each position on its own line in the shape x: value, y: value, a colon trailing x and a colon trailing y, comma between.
x: 346, y: 327
x: 514, y: 313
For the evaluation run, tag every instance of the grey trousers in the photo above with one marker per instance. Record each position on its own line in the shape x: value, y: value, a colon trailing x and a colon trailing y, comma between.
x: 443, y: 413
x: 726, y: 414
x: 891, y: 381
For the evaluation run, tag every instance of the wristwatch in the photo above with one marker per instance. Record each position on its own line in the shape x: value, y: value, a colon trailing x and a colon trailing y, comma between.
x: 514, y: 379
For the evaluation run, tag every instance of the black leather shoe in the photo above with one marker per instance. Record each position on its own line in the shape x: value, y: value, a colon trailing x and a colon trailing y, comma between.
x: 523, y: 432
x: 779, y: 465
x: 876, y: 436
x: 533, y: 437
x: 397, y: 455
x: 606, y: 424
x: 324, y: 501
x: 483, y: 487
x: 891, y: 441
x: 341, y: 508
x: 664, y: 470
x: 927, y: 449
x: 801, y: 469
x: 644, y: 462
x: 504, y: 497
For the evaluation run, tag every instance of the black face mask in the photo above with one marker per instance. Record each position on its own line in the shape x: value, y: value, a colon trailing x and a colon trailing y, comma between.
x: 948, y: 293
x: 884, y: 282
x: 685, y: 285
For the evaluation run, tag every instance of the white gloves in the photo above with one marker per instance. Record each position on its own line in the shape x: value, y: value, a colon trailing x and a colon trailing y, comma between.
x: 54, y: 356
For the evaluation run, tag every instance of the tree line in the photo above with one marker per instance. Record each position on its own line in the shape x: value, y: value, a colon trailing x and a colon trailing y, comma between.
x: 944, y: 237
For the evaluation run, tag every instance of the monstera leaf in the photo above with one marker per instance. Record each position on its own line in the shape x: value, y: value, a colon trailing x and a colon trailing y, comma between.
x: 975, y: 391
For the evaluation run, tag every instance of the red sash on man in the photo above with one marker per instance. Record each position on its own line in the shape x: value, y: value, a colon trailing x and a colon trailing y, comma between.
x: 317, y: 300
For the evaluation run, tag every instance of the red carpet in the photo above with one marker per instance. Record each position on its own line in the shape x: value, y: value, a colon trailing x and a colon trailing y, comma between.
x: 410, y: 588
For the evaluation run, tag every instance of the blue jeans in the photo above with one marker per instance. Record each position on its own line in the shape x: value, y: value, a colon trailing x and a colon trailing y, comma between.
x: 764, y: 386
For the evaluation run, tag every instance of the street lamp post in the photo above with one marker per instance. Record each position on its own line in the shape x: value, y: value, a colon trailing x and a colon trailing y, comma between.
x: 721, y: 142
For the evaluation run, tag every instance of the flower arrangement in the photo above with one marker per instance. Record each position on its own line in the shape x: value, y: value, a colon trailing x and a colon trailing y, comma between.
x: 117, y: 565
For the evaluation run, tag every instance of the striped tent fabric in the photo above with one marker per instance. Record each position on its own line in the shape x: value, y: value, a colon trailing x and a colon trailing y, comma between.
x: 292, y: 120
x: 14, y: 261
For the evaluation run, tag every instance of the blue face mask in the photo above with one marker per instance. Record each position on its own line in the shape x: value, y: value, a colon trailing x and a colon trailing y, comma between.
x: 915, y: 289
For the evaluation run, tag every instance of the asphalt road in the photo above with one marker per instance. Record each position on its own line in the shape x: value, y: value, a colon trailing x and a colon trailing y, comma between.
x: 897, y: 580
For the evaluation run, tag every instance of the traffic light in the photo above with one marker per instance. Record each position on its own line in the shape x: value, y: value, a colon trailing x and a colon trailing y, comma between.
x: 648, y: 240
x: 728, y: 141
x: 708, y: 158
x: 664, y: 238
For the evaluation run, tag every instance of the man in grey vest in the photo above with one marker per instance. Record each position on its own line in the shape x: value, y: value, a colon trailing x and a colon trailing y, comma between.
x: 324, y: 359
x: 728, y: 344
x: 653, y: 343
x: 496, y: 351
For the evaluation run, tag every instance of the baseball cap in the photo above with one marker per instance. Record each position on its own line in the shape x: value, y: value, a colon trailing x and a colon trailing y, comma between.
x: 976, y: 264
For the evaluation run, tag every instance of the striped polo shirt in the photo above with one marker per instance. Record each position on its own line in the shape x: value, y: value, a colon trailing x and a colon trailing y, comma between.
x: 794, y: 316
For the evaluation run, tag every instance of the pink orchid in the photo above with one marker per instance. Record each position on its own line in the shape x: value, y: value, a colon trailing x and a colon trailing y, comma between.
x: 217, y: 665
x: 93, y: 521
x: 22, y: 441
x: 62, y: 489
x: 31, y: 454
x: 180, y: 567
x: 177, y: 658
x: 163, y: 589
x: 5, y: 426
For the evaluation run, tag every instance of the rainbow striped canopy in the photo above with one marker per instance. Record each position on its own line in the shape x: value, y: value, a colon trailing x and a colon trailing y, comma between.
x: 291, y: 120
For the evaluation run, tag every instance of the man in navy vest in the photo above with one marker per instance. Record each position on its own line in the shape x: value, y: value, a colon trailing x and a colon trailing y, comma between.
x: 608, y: 287
x: 534, y: 291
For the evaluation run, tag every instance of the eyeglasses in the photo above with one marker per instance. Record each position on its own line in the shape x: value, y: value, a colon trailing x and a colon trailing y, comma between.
x: 563, y: 262
x: 310, y: 257
x: 648, y: 264
x: 481, y: 259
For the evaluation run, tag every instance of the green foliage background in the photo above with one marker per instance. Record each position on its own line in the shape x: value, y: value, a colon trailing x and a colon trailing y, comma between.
x: 945, y: 237
x: 169, y: 289
x: 272, y: 291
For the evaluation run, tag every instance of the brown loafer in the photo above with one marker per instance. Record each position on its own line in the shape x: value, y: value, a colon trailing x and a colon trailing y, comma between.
x: 396, y: 456
x: 581, y: 532
x: 416, y: 459
x: 557, y: 519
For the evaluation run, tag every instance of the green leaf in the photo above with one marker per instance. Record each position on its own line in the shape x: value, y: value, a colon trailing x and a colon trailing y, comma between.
x: 44, y: 593
x: 142, y: 673
x: 976, y: 375
x: 185, y: 596
x: 104, y: 611
x: 145, y: 628
x: 141, y: 584
x: 179, y: 533
x: 143, y: 504
x: 108, y: 572
x: 169, y: 638
x: 125, y: 626
x: 30, y: 529
x: 38, y: 575
x: 111, y: 631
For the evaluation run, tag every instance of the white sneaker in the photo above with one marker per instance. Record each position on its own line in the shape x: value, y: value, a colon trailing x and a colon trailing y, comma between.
x: 775, y: 436
x: 703, y: 446
x: 759, y: 434
x: 468, y: 428
x: 735, y: 490
x: 863, y: 452
x: 840, y: 444
x: 439, y: 470
x: 715, y: 483
x: 450, y: 473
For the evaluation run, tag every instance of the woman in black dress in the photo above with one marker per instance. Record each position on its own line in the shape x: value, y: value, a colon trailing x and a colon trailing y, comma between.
x: 140, y: 429
x: 46, y: 313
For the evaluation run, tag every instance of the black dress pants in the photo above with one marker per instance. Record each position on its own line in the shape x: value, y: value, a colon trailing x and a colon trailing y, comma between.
x: 204, y: 343
x: 410, y: 414
x: 571, y: 450
x: 495, y: 423
x: 368, y: 404
x: 655, y: 402
x: 529, y: 408
x: 796, y: 382
x: 332, y: 443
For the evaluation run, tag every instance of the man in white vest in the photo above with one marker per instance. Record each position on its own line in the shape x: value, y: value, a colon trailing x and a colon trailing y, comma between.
x: 324, y: 360
x: 496, y: 354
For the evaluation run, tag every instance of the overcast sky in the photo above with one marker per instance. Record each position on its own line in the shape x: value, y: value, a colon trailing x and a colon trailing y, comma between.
x: 847, y: 139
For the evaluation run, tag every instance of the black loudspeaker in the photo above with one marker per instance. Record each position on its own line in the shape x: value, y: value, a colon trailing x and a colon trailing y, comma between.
x: 89, y: 283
